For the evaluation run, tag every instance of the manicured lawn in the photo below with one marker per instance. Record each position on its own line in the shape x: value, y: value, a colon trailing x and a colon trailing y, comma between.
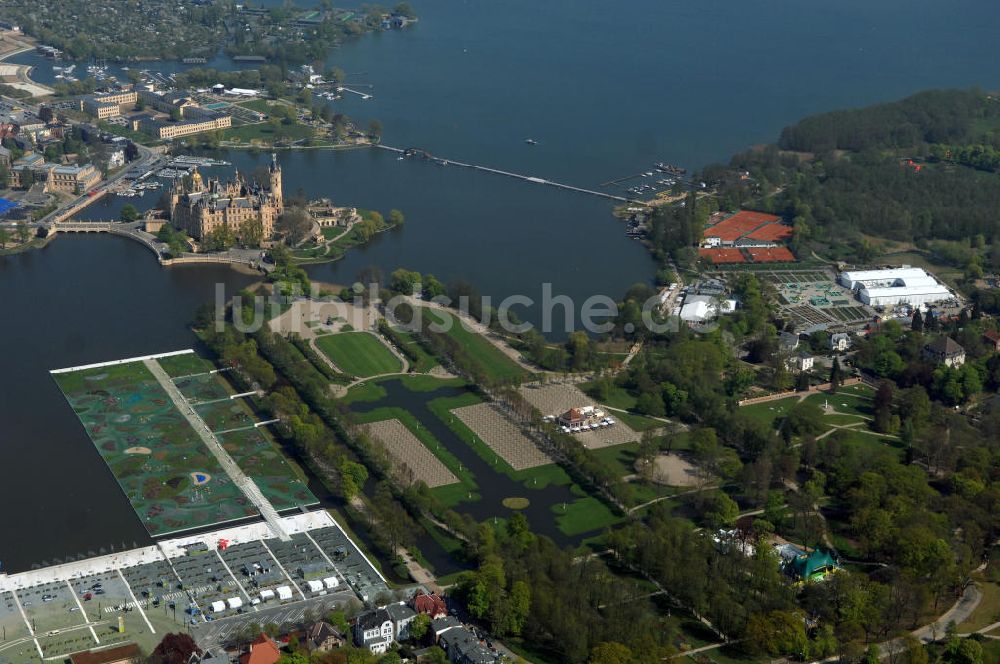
x: 637, y: 422
x: 583, y: 516
x: 265, y: 132
x: 358, y: 353
x: 618, y: 397
x: 767, y: 411
x: 843, y: 403
x: 493, y: 362
x: 424, y: 361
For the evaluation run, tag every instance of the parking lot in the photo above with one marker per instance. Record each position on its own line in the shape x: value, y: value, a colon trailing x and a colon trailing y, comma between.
x: 188, y: 582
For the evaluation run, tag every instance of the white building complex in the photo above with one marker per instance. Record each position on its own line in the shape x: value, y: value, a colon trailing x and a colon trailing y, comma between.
x: 903, y: 285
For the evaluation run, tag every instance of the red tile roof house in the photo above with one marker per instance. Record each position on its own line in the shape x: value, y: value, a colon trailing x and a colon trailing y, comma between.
x: 432, y: 605
x: 263, y: 650
x: 992, y: 339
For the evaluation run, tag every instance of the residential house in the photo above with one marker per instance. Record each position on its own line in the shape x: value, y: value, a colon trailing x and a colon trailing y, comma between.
x: 263, y: 650
x: 840, y: 342
x: 945, y: 350
x: 800, y: 361
x: 374, y: 630
x: 787, y: 342
x: 5, y: 156
x: 439, y: 626
x: 991, y: 338
x: 431, y: 605
x: 401, y: 616
x: 323, y: 637
x: 462, y: 647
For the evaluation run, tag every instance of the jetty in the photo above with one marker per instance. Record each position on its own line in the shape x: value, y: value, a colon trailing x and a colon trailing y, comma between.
x: 411, y: 152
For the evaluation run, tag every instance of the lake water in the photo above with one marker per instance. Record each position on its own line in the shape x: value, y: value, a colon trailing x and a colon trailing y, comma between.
x: 605, y: 88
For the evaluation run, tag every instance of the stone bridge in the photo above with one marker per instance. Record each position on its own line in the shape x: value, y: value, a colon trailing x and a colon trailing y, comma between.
x: 133, y: 231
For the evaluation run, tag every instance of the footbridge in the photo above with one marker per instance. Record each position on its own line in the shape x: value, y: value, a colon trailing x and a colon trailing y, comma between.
x: 424, y: 154
x: 134, y: 231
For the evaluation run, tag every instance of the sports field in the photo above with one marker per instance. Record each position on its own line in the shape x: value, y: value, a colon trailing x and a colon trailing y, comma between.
x: 358, y: 353
x: 172, y: 479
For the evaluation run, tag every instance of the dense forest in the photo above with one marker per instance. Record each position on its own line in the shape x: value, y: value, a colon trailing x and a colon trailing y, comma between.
x: 913, y: 172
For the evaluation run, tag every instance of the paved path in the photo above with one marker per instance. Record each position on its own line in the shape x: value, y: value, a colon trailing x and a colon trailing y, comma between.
x: 245, y: 484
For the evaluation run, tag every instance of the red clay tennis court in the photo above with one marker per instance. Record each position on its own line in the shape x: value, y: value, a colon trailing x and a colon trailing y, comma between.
x: 740, y: 225
x: 722, y: 255
x: 771, y: 233
x: 771, y: 255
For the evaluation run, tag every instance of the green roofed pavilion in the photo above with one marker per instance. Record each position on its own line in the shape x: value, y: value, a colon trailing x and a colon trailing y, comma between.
x: 815, y: 565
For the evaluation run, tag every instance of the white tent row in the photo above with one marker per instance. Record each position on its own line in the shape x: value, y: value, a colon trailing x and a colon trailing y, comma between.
x: 331, y: 582
x: 314, y: 585
x: 266, y: 595
x: 284, y: 592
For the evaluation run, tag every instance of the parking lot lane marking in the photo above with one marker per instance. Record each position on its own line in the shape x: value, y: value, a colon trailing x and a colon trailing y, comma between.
x: 135, y: 602
x: 83, y: 613
x: 282, y: 568
x: 17, y: 600
x: 235, y: 580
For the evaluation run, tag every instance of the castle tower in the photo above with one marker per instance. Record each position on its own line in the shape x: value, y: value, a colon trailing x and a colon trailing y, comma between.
x: 196, y: 182
x: 275, y: 184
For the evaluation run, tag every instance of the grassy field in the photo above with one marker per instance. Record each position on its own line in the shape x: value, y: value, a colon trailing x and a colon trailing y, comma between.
x: 266, y: 133
x: 424, y: 361
x: 358, y: 353
x: 988, y: 611
x: 583, y: 516
x: 493, y: 362
x: 618, y: 397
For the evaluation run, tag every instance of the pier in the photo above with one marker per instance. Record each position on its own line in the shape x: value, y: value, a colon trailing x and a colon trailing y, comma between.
x: 496, y: 171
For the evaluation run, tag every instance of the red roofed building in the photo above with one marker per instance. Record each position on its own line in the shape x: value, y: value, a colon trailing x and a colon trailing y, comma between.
x: 263, y: 650
x: 431, y: 605
x: 992, y: 340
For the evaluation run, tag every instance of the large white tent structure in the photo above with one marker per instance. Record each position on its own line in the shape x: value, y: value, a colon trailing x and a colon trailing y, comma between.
x: 889, y: 287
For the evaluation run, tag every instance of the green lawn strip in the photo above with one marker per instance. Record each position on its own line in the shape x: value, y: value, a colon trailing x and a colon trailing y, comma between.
x: 358, y: 353
x: 767, y: 411
x: 265, y: 132
x: 618, y: 397
x: 532, y: 478
x: 424, y: 361
x: 843, y: 420
x: 493, y: 361
x: 429, y: 383
x: 583, y: 516
x: 848, y: 404
x: 451, y: 545
x: 988, y: 611
x: 637, y: 422
x: 372, y: 390
x: 364, y: 392
x: 872, y: 442
x: 465, y: 479
x: 184, y: 365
